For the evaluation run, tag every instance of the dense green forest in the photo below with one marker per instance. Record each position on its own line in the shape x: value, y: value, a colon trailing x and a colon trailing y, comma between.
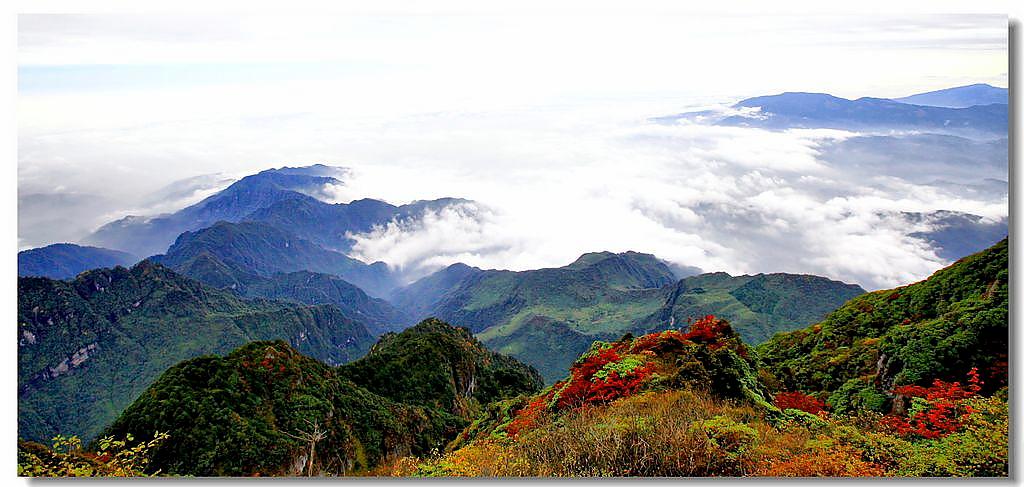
x: 88, y: 347
x: 939, y: 328
x: 249, y: 412
x: 440, y: 366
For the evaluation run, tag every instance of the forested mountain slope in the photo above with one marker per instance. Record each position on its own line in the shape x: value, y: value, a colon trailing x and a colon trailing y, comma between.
x: 88, y: 347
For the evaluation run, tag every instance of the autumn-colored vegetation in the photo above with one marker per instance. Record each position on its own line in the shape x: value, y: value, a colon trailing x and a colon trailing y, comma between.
x: 934, y: 411
x: 645, y: 407
x: 799, y: 400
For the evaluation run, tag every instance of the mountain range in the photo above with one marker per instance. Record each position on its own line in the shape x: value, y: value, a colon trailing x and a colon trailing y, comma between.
x: 88, y: 346
x: 152, y: 235
x: 262, y: 249
x: 927, y: 112
x: 545, y: 317
x: 907, y: 382
x: 876, y: 388
x: 288, y: 198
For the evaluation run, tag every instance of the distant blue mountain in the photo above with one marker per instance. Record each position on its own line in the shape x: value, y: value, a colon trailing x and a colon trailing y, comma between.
x: 327, y: 224
x: 821, y: 110
x: 960, y: 96
x: 287, y: 198
x: 64, y: 260
x: 148, y: 236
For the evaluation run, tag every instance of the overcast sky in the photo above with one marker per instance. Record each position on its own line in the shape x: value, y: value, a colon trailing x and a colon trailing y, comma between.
x: 541, y: 119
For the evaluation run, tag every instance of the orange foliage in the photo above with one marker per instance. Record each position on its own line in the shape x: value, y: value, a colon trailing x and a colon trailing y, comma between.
x: 527, y: 417
x: 839, y: 461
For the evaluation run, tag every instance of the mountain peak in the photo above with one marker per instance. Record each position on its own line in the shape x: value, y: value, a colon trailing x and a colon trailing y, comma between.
x: 802, y: 97
x: 265, y: 249
x: 625, y: 270
x: 463, y: 372
x: 590, y: 258
x: 960, y: 96
x: 312, y: 170
x: 151, y: 236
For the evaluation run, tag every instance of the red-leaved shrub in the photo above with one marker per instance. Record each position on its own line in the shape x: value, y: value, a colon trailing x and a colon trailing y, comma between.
x: 942, y: 413
x: 799, y: 400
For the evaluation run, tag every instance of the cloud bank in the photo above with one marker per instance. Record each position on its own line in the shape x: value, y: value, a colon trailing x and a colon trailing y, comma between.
x: 719, y: 198
x: 552, y: 182
x: 547, y: 133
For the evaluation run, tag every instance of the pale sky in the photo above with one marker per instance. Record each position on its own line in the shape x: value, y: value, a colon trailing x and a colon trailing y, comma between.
x: 137, y: 69
x: 497, y: 109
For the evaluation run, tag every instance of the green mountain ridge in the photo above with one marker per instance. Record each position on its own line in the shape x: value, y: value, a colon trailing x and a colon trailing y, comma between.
x: 484, y: 299
x: 437, y: 365
x: 246, y: 413
x: 240, y: 414
x: 758, y: 305
x: 419, y: 297
x: 824, y: 400
x: 546, y: 317
x: 905, y: 382
x: 305, y: 287
x: 87, y: 347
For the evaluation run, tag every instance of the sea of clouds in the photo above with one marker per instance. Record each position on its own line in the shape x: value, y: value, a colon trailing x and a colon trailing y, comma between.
x: 729, y: 199
x: 551, y: 182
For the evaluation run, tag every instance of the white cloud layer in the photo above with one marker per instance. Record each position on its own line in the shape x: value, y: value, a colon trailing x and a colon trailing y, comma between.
x: 735, y: 199
x: 552, y: 183
x: 546, y: 131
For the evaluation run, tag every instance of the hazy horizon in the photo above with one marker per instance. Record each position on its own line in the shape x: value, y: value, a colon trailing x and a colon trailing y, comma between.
x: 549, y: 134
